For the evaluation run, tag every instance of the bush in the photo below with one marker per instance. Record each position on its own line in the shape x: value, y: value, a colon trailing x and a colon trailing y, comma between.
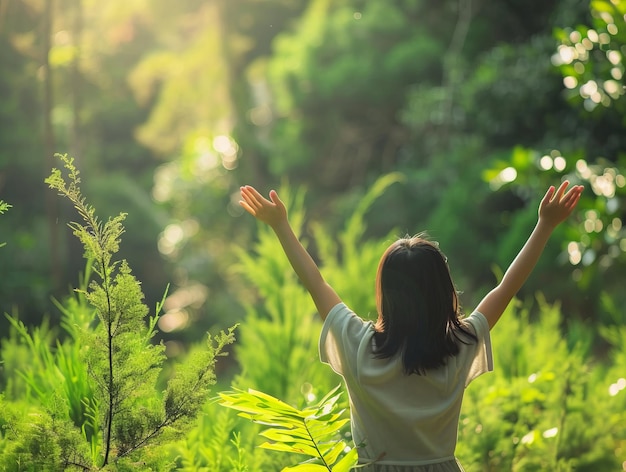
x: 548, y: 405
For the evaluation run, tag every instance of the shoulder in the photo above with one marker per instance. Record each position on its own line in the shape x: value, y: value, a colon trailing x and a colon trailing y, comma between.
x: 342, y: 334
x: 477, y: 323
x: 344, y: 324
x: 341, y: 315
x: 481, y: 357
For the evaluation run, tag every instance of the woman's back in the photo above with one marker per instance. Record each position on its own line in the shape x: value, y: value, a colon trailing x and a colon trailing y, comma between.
x: 406, y: 419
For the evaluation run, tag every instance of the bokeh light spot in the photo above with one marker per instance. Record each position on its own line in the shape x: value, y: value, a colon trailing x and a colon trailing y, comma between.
x: 573, y: 251
x: 617, y: 387
x: 570, y: 82
x: 560, y: 163
x: 546, y: 163
x: 550, y: 433
x: 173, y: 321
x: 614, y: 57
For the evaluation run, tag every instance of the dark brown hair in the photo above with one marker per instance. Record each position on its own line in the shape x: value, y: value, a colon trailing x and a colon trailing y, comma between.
x: 419, y: 315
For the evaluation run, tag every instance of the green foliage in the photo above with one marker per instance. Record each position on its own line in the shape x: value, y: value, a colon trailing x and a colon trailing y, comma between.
x: 96, y: 391
x: 349, y: 260
x: 352, y: 90
x: 313, y: 431
x: 548, y: 404
x: 121, y: 334
x: 3, y: 208
x: 591, y: 59
x: 28, y: 440
x: 323, y: 68
x: 210, y: 446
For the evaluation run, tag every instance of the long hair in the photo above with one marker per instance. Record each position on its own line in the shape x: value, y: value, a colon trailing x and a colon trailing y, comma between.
x: 419, y: 315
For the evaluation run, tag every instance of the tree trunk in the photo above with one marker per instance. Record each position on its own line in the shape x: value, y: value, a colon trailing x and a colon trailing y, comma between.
x: 76, y: 81
x: 49, y: 145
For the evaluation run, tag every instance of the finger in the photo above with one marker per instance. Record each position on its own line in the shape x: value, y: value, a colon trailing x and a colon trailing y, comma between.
x: 572, y: 194
x: 245, y: 194
x: 574, y: 201
x: 252, y: 206
x: 248, y: 208
x: 548, y: 196
x: 251, y: 196
x: 561, y: 190
x: 247, y: 191
x: 571, y: 198
x: 255, y: 194
x: 258, y: 199
x: 275, y: 198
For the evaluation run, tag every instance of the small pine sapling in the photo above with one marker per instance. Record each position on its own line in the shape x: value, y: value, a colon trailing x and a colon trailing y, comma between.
x: 122, y: 361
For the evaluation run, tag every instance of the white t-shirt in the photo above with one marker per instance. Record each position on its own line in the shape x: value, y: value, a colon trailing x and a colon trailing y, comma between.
x: 411, y: 419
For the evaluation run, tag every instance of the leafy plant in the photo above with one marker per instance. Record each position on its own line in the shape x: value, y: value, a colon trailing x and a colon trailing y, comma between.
x: 96, y: 393
x: 312, y: 431
x: 548, y: 405
x: 3, y: 208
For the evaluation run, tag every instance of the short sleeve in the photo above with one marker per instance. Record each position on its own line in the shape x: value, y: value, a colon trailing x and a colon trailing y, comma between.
x: 483, y: 359
x: 340, y: 338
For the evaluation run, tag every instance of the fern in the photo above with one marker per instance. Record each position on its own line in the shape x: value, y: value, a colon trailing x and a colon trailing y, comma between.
x: 313, y: 431
x: 212, y: 445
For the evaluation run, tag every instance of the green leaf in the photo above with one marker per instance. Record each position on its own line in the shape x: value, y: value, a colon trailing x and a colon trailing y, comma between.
x: 331, y: 456
x: 347, y: 462
x: 313, y: 431
x: 323, y: 429
x: 255, y: 402
x: 4, y: 206
x: 297, y: 449
x: 282, y: 435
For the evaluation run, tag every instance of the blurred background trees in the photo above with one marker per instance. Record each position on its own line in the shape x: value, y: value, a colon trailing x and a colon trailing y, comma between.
x: 168, y: 107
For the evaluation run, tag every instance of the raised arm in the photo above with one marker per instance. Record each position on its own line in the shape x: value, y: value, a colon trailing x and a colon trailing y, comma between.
x: 274, y: 213
x: 555, y: 207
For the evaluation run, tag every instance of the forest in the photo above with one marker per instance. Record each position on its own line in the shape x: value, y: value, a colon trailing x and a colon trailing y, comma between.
x: 149, y: 323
